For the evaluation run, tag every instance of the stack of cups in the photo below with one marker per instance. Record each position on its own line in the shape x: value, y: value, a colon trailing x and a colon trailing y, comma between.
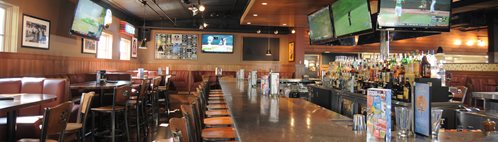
x: 359, y: 122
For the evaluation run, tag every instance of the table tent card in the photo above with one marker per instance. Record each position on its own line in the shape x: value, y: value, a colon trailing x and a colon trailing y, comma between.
x: 378, y: 114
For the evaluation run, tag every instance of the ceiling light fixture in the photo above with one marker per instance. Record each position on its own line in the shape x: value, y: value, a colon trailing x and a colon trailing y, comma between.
x: 275, y: 32
x: 284, y: 24
x: 268, y: 50
x: 293, y: 31
x: 202, y: 8
x: 264, y: 3
x: 249, y: 23
x: 258, y: 31
x: 254, y: 14
x: 205, y: 25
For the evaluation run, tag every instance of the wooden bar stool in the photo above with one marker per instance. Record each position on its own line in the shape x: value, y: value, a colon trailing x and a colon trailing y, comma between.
x: 80, y: 125
x: 119, y: 105
x: 54, y: 123
x: 208, y: 122
x: 206, y: 134
x: 138, y: 105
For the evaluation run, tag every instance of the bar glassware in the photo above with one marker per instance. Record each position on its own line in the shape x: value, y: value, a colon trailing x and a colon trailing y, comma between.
x: 403, y: 121
x: 436, y: 121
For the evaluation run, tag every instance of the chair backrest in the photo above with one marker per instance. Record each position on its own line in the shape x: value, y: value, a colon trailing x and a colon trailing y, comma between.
x: 155, y: 82
x: 85, y: 102
x: 144, y: 85
x: 179, y: 125
x: 121, y: 94
x: 55, y: 120
x: 188, y: 113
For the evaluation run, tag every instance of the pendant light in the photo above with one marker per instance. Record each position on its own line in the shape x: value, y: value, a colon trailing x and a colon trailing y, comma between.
x: 144, y: 40
x: 268, y: 50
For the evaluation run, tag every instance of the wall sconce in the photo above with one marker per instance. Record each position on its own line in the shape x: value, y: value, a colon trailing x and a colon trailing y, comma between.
x: 457, y: 42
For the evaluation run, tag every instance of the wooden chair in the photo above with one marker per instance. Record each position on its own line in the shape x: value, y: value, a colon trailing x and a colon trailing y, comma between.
x: 54, y: 123
x: 206, y: 134
x: 80, y: 125
x: 119, y: 105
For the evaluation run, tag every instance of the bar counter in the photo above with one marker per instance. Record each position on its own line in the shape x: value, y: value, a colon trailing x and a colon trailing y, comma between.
x: 267, y: 118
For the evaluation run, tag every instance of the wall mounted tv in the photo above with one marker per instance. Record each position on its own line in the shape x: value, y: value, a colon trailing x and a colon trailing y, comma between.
x: 411, y: 15
x: 88, y: 20
x: 217, y: 43
x: 320, y: 26
x: 351, y: 17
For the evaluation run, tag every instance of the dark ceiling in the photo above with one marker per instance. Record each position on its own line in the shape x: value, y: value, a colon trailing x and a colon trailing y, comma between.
x: 220, y: 15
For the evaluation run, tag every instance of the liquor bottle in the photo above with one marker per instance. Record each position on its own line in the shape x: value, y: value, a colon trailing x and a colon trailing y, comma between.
x: 407, y: 91
x: 399, y: 90
x: 425, y: 68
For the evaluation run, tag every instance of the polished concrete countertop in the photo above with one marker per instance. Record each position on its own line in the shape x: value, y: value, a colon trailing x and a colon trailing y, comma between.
x: 260, y: 118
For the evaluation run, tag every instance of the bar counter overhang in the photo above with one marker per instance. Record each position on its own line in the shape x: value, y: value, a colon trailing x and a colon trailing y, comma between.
x: 269, y: 118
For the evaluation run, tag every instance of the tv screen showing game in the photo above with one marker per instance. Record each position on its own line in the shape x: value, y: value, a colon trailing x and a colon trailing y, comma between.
x: 415, y: 14
x: 88, y: 20
x: 351, y: 17
x: 217, y: 43
x: 320, y: 26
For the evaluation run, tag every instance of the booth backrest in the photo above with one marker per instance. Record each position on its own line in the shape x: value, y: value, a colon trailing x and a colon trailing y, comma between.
x: 57, y: 87
x: 474, y: 81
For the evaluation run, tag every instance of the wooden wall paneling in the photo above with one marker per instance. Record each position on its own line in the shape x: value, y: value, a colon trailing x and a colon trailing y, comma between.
x: 23, y: 64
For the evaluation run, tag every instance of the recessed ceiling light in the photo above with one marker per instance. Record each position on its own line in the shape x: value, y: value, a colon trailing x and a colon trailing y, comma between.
x: 284, y: 24
x: 264, y: 3
x: 249, y: 23
x: 293, y: 31
x: 254, y: 14
x: 202, y: 8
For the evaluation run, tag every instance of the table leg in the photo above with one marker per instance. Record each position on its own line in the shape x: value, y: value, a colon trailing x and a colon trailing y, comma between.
x: 11, y: 126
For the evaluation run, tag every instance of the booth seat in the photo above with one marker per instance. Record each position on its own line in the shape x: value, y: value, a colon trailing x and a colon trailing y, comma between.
x: 27, y: 117
x: 475, y: 81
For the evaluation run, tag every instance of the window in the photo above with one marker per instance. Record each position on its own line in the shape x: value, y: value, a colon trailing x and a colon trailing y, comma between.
x: 105, y: 46
x: 124, y: 49
x: 2, y: 28
x: 9, y: 25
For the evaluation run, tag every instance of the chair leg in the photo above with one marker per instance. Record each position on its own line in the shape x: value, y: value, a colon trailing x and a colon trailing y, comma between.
x: 93, y: 127
x: 138, y: 121
x: 113, y: 127
x: 126, y: 126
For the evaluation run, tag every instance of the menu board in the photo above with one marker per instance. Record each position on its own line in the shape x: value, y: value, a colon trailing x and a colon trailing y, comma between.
x: 422, y: 109
x: 378, y: 114
x: 176, y: 46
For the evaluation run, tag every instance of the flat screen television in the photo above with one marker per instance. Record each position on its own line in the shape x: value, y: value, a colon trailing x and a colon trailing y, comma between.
x: 415, y: 15
x: 351, y: 17
x: 217, y: 43
x: 320, y: 26
x: 88, y: 20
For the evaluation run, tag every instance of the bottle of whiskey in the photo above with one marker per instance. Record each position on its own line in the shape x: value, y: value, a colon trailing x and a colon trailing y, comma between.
x: 425, y: 68
x: 407, y: 91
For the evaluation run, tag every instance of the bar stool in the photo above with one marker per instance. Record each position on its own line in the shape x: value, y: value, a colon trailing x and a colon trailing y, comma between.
x: 54, y: 123
x: 80, y: 125
x: 206, y: 134
x: 119, y: 105
x: 138, y: 105
x: 198, y: 110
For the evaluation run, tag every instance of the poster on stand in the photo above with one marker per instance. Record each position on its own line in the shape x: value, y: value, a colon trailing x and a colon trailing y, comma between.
x: 378, y: 114
x: 422, y: 109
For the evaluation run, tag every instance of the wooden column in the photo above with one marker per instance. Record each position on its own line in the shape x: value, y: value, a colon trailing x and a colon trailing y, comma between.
x: 300, y: 44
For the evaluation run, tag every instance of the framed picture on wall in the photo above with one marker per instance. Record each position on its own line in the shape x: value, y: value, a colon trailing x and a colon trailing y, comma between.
x: 291, y: 52
x: 88, y: 46
x: 134, y: 47
x: 35, y: 32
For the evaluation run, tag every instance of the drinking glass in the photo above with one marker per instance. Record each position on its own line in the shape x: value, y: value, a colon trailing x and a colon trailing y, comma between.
x: 436, y: 121
x: 403, y: 120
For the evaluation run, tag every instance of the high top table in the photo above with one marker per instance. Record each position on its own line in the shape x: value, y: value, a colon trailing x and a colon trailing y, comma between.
x: 266, y: 118
x: 19, y: 101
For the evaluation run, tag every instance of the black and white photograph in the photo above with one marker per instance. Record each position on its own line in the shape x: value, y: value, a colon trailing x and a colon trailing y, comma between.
x: 36, y: 32
x: 89, y: 46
